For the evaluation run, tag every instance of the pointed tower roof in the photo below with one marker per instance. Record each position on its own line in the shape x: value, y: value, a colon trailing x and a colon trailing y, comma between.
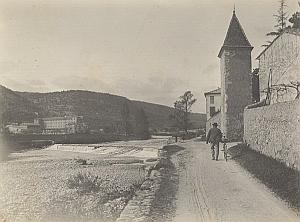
x: 235, y: 36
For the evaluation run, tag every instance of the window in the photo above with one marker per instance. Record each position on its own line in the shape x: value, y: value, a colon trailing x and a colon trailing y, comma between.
x: 212, y: 111
x: 212, y: 99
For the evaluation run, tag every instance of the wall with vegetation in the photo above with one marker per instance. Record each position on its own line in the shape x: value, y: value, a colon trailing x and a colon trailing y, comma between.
x: 283, y: 58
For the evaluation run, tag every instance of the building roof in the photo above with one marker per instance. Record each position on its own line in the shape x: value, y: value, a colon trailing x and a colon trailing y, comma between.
x: 58, y: 118
x: 215, y: 91
x: 235, y: 36
x: 293, y: 31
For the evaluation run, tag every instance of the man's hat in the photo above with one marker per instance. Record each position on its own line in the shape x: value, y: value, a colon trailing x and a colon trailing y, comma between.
x: 215, y: 124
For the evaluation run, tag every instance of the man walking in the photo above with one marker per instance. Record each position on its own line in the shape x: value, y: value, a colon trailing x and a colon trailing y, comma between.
x: 214, y: 136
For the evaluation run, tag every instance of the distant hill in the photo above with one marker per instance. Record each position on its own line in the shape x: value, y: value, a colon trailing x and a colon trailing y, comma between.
x: 100, y: 110
x: 158, y: 115
x: 14, y: 107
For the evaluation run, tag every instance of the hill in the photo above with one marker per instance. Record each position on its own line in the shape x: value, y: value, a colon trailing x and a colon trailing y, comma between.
x: 158, y: 115
x: 14, y: 107
x: 100, y: 110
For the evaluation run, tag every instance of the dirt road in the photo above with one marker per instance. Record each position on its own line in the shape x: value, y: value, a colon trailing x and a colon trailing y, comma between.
x: 222, y: 191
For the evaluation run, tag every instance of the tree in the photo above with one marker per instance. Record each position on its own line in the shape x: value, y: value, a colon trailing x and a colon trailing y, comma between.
x: 295, y: 19
x: 141, y: 125
x: 281, y: 21
x: 125, y: 115
x: 284, y: 88
x: 183, y: 109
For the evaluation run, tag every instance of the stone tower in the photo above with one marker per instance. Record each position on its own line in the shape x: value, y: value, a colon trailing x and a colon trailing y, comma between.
x: 235, y: 58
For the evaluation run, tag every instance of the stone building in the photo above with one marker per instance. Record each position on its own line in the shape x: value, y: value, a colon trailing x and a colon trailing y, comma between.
x: 61, y: 125
x: 272, y: 127
x: 236, y: 89
x: 279, y: 64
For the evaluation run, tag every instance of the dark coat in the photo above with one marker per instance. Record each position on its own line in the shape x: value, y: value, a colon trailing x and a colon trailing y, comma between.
x: 214, y: 135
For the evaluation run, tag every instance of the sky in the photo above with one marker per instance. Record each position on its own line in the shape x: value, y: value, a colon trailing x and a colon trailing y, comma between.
x: 149, y: 50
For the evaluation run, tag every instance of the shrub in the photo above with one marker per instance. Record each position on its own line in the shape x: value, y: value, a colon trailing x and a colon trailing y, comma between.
x: 81, y: 161
x: 85, y: 183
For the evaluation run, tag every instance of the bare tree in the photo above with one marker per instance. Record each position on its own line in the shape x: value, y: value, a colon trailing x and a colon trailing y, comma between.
x: 183, y: 108
x: 283, y: 88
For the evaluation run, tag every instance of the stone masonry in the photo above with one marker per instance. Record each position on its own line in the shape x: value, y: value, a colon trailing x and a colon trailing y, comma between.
x: 236, y: 90
x: 274, y: 131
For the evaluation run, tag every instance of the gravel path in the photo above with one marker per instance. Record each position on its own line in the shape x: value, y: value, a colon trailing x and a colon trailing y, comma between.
x: 222, y: 191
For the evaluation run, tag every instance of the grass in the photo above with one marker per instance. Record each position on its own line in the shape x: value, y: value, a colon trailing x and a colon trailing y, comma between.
x: 165, y: 198
x: 282, y: 180
x: 172, y: 149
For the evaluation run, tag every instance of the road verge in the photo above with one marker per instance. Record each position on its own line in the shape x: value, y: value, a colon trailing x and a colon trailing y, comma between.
x: 158, y: 188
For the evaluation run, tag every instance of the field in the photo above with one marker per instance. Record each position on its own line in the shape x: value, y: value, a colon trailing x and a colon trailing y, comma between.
x: 68, y: 185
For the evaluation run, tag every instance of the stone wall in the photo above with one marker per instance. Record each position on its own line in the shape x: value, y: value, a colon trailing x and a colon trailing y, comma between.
x: 283, y: 58
x: 214, y: 119
x: 275, y: 131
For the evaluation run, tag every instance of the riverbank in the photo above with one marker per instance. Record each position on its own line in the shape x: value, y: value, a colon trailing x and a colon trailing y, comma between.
x: 155, y: 199
x: 87, y: 185
x: 32, y: 140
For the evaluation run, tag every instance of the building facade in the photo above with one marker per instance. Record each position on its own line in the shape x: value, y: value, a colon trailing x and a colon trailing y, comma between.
x: 213, y: 102
x: 61, y: 125
x: 279, y: 66
x: 50, y: 125
x: 23, y: 128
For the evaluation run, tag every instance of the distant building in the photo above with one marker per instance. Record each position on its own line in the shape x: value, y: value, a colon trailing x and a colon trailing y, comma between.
x: 50, y: 125
x: 15, y: 128
x: 62, y: 125
x: 213, y: 102
x: 23, y: 128
x: 279, y: 63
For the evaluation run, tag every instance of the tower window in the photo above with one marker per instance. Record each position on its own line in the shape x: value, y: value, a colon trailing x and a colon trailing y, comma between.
x: 212, y: 99
x: 212, y: 111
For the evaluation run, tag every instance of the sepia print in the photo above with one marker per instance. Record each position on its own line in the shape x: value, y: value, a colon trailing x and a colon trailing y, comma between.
x: 149, y: 110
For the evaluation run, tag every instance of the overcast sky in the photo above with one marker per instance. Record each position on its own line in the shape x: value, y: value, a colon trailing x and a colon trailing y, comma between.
x: 150, y: 50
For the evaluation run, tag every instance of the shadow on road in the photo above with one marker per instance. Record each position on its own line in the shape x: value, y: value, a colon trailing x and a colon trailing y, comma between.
x: 282, y: 180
